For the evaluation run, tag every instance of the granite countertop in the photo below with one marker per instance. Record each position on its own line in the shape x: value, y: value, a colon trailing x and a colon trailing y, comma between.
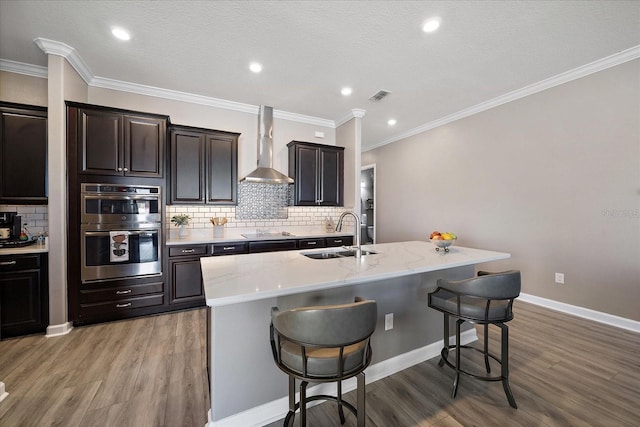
x: 242, y: 278
x: 31, y: 249
x: 205, y: 235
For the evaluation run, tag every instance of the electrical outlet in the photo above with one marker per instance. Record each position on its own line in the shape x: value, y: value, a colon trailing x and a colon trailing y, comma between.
x: 388, y: 321
x: 560, y: 278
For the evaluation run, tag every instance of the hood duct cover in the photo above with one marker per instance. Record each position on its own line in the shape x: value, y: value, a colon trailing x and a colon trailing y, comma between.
x: 265, y: 173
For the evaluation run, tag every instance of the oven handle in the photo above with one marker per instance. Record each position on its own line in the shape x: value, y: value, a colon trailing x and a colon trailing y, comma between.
x: 128, y: 197
x: 131, y: 232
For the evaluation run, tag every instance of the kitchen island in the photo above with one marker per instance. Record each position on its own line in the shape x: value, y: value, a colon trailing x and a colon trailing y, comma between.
x: 246, y: 387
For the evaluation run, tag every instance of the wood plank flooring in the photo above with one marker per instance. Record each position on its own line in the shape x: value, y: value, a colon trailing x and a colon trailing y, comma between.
x: 565, y: 371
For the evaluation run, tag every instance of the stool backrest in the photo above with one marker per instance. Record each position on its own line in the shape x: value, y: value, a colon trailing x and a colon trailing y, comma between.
x: 495, y: 286
x: 329, y: 325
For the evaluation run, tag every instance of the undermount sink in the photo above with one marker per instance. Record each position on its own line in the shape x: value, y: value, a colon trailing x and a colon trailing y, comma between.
x: 333, y: 254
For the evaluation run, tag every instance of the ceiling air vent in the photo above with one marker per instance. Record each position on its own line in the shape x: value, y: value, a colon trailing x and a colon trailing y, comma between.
x: 379, y: 95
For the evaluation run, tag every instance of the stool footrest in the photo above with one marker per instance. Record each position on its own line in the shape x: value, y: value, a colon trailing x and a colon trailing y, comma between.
x: 444, y: 358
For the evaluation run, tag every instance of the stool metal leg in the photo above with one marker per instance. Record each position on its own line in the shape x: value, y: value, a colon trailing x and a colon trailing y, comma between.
x: 339, y: 400
x: 288, y: 421
x: 486, y: 348
x: 445, y: 347
x: 504, y: 357
x: 456, y: 382
x: 303, y: 403
x: 361, y: 399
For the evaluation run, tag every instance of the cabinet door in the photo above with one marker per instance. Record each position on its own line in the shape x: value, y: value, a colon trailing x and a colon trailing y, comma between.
x: 20, y: 296
x: 222, y: 170
x: 331, y: 176
x: 186, y: 281
x: 23, y: 158
x: 99, y: 134
x: 144, y: 146
x: 306, y: 176
x: 187, y: 167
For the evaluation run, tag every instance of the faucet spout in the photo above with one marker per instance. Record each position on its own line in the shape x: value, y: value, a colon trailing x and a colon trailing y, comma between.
x: 358, y: 229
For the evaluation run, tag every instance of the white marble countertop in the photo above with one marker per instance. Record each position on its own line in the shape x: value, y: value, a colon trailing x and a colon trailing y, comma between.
x: 31, y: 249
x: 242, y: 278
x: 205, y: 235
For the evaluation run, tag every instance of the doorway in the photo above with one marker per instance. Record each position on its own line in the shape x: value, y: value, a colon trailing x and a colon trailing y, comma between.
x: 367, y: 203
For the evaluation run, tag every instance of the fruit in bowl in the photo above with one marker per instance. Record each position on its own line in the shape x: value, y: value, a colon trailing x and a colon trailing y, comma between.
x: 442, y: 240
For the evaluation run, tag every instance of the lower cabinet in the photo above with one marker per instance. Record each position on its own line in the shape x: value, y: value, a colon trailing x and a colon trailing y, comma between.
x: 24, y: 295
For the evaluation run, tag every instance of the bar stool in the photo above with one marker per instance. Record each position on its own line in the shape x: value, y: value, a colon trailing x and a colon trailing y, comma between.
x: 484, y: 300
x: 324, y: 344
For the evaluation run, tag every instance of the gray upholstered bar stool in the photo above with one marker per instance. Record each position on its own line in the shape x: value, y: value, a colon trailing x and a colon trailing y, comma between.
x: 484, y: 300
x: 324, y: 344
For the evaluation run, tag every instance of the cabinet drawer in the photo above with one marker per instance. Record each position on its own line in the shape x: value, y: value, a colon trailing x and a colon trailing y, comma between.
x: 230, y: 248
x: 19, y: 262
x: 272, y: 246
x: 311, y: 243
x: 121, y: 306
x: 339, y: 241
x: 119, y: 293
x: 187, y: 250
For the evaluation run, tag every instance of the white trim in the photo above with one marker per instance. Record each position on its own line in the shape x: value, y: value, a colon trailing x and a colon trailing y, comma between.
x: 3, y: 393
x: 22, y: 68
x: 277, y: 409
x: 586, y: 313
x: 58, y: 330
x: 353, y: 114
x: 582, y: 71
x: 52, y: 47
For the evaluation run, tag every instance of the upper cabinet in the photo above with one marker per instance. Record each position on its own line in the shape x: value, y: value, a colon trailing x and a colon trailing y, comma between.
x: 119, y: 143
x: 23, y: 154
x: 318, y: 173
x: 203, y: 166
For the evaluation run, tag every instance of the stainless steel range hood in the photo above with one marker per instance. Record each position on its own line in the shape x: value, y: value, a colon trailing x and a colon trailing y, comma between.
x: 265, y: 173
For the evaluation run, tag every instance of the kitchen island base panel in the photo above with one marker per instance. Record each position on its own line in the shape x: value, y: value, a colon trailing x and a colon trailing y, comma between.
x: 243, y: 376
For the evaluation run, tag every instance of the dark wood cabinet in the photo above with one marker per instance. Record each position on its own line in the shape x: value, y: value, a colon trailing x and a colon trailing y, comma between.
x: 24, y: 295
x: 339, y: 241
x: 115, y: 143
x: 23, y: 154
x: 318, y: 174
x: 203, y: 166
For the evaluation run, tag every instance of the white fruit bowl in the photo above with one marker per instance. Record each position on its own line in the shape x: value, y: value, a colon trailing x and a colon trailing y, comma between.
x: 442, y: 244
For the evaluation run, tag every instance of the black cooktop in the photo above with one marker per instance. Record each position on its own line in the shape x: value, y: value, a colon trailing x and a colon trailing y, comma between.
x: 16, y: 243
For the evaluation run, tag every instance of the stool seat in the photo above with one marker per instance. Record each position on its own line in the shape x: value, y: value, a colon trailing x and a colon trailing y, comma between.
x: 485, y: 300
x: 324, y: 344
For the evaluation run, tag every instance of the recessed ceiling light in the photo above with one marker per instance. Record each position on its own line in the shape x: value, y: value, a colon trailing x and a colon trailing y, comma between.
x: 391, y: 122
x: 120, y: 33
x: 255, y: 67
x: 431, y: 25
x: 346, y: 91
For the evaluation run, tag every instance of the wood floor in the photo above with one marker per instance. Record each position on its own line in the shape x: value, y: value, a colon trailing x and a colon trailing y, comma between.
x: 565, y: 371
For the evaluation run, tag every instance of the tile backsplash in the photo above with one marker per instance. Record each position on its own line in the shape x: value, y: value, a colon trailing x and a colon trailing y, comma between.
x: 36, y: 218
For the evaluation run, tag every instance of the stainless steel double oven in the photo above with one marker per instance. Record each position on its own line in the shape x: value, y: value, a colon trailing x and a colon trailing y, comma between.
x: 121, y: 227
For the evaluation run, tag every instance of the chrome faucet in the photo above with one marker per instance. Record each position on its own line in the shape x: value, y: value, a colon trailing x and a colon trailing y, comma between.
x: 339, y: 228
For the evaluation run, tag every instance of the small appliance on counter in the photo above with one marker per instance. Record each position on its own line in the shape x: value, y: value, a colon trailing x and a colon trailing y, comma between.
x: 11, y: 234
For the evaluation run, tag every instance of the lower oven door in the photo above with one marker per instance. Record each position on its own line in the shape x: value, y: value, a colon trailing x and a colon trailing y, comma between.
x: 114, y: 252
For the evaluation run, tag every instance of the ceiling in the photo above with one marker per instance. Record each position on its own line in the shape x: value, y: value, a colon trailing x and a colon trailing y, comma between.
x: 483, y: 50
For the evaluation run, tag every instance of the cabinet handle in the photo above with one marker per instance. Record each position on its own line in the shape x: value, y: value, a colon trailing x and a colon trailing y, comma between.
x: 188, y: 251
x: 123, y: 305
x: 126, y: 169
x: 119, y: 169
x: 228, y: 248
x: 337, y: 241
x: 8, y: 262
x: 128, y: 291
x: 311, y: 243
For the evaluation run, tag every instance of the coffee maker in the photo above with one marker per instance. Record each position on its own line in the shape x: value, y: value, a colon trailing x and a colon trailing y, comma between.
x: 10, y: 226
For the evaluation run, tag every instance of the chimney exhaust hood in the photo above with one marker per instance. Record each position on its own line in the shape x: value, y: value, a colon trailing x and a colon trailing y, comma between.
x: 265, y: 173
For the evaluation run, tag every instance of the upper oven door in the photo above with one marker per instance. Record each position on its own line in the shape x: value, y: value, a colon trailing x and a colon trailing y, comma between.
x: 108, y: 204
x: 114, y: 252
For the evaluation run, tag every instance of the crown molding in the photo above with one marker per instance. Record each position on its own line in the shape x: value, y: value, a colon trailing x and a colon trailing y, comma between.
x: 317, y: 121
x: 354, y: 113
x: 52, y: 47
x: 22, y: 68
x: 583, y: 71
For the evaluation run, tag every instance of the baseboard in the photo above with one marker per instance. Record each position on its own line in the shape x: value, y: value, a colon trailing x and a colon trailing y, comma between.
x: 277, y: 409
x: 57, y: 330
x: 3, y: 393
x: 586, y: 313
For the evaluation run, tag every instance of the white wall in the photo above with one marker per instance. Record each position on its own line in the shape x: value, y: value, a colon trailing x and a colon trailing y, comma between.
x: 553, y: 178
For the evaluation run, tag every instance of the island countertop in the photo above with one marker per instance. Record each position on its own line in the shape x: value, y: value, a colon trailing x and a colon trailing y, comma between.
x: 243, y: 278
